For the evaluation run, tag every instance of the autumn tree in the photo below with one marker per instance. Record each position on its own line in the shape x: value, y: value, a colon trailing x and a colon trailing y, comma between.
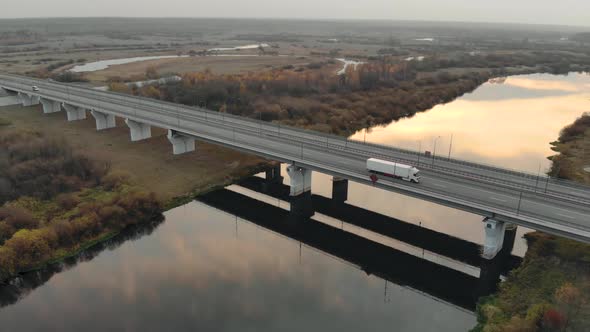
x: 570, y: 300
x: 151, y: 73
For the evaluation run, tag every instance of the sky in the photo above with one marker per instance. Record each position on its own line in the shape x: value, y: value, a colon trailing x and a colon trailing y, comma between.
x: 562, y: 12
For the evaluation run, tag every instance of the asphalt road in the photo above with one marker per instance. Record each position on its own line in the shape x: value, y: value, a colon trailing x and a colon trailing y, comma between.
x: 556, y: 207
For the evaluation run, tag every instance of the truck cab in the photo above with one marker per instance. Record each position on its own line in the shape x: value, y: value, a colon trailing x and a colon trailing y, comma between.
x: 415, y: 175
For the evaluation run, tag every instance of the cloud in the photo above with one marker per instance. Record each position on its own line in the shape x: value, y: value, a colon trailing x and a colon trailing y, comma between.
x: 549, y: 85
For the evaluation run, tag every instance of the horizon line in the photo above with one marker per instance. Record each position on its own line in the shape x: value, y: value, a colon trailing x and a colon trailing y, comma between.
x: 304, y: 19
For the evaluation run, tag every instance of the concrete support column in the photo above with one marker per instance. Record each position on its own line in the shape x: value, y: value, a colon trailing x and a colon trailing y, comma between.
x: 273, y: 174
x: 274, y: 179
x: 103, y: 120
x: 28, y: 100
x: 509, y: 237
x: 50, y: 106
x: 495, y: 231
x: 75, y: 113
x: 489, y: 275
x: 301, y: 205
x: 339, y: 189
x: 139, y: 131
x: 181, y: 143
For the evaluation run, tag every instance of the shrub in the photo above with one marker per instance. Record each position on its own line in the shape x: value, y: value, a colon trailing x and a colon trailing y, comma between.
x: 17, y: 218
x: 69, y: 76
x: 139, y: 205
x: 65, y: 232
x: 578, y: 128
x: 30, y: 246
x: 115, y: 179
x: 7, y: 263
x: 33, y: 165
x: 554, y: 320
x: 112, y: 215
x: 68, y: 201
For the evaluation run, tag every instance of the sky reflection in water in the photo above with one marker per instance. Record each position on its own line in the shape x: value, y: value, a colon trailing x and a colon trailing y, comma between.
x: 509, y: 124
x: 202, y: 270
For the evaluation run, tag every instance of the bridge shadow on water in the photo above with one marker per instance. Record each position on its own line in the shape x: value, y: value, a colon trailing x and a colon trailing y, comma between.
x: 440, y: 243
x: 441, y: 282
x: 19, y: 287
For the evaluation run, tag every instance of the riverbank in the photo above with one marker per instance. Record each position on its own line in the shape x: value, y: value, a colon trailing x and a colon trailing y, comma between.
x: 64, y: 187
x: 55, y: 202
x: 64, y: 226
x: 371, y: 93
x: 573, y: 147
x: 550, y: 291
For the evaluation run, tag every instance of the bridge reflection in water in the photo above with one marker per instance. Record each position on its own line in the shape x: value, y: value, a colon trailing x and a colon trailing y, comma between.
x: 429, y: 278
x: 438, y: 281
x: 436, y: 242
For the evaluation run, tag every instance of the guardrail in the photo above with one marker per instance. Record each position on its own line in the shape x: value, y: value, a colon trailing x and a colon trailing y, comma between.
x: 306, y: 134
x: 217, y: 120
x: 467, y: 201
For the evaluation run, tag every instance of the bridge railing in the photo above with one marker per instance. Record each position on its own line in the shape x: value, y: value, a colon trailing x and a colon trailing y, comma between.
x: 329, y: 137
x: 483, y: 166
x: 513, y: 207
x: 425, y: 165
x: 516, y: 208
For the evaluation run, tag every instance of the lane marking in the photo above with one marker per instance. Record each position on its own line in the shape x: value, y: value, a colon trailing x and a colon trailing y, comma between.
x: 472, y: 188
x: 439, y: 185
x: 557, y: 208
x: 565, y: 215
x: 497, y: 199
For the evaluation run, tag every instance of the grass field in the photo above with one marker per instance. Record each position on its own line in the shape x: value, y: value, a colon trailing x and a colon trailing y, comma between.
x: 150, y: 163
x: 218, y: 65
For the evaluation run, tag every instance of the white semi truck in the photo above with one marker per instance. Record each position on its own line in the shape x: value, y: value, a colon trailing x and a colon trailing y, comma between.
x: 393, y: 170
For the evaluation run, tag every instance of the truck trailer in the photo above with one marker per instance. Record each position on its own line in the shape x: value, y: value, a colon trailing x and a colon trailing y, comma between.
x: 393, y: 170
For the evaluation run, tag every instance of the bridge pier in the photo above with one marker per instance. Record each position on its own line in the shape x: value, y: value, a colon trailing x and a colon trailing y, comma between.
x: 181, y: 143
x: 50, y: 106
x: 28, y: 100
x: 509, y: 238
x: 273, y: 174
x: 495, y: 232
x: 490, y: 271
x: 301, y: 205
x: 75, y: 113
x: 339, y: 189
x: 139, y: 131
x: 103, y: 120
x: 273, y: 179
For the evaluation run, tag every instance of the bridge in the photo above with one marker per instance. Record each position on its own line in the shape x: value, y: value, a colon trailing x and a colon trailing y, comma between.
x: 503, y: 197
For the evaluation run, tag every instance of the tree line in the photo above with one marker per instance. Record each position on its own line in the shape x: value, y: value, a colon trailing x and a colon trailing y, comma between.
x: 317, y: 98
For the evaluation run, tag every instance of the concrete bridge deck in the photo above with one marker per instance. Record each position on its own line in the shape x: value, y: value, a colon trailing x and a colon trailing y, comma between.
x: 506, y: 196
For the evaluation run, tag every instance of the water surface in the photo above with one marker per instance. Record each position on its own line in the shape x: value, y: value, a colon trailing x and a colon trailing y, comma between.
x: 204, y: 269
x: 509, y: 124
x: 104, y: 64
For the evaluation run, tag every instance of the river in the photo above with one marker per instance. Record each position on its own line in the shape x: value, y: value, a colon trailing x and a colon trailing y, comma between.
x: 242, y: 266
x: 104, y: 64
